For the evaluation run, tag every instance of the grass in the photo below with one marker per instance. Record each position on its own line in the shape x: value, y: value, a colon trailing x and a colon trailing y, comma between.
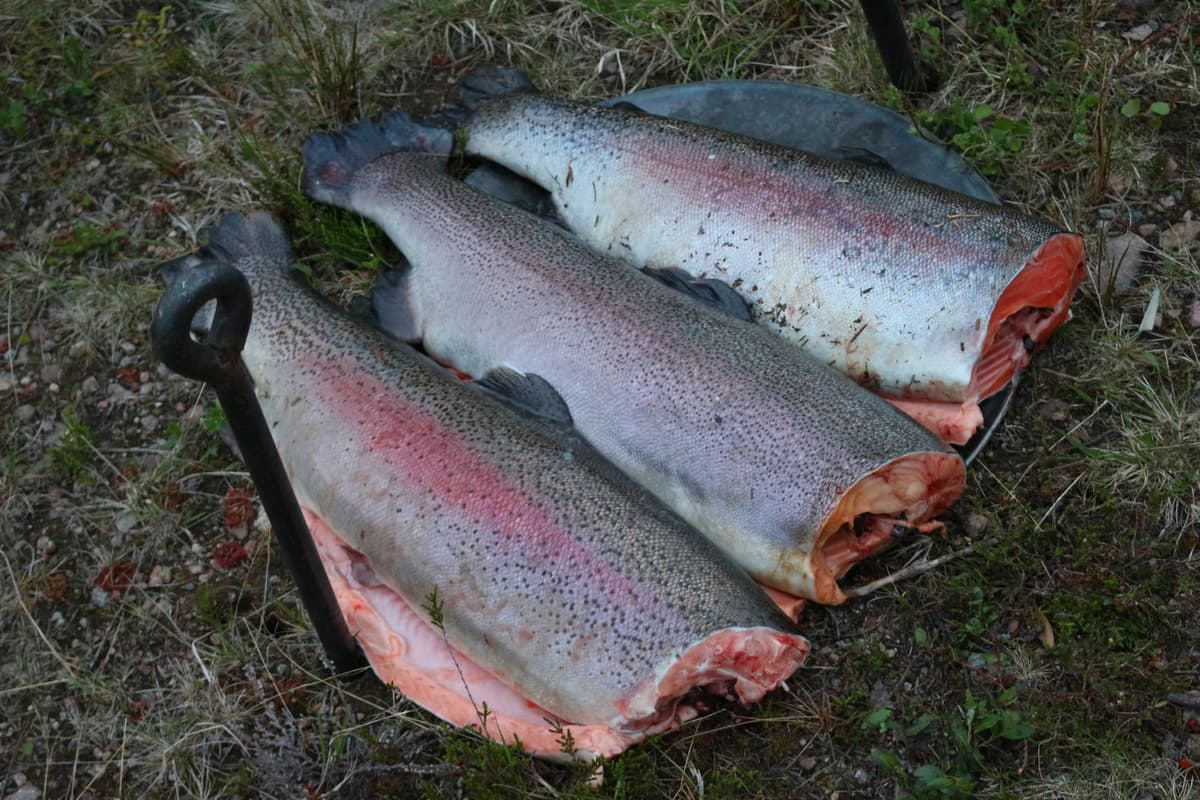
x: 1036, y: 667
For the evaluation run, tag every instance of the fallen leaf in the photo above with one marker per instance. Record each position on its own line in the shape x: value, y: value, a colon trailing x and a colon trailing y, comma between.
x: 115, y: 577
x: 1046, y: 637
x: 172, y: 496
x: 228, y: 555
x: 131, y: 377
x: 238, y: 507
x: 55, y: 586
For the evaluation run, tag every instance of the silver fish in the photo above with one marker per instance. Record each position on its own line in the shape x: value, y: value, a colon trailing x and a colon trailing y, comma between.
x: 929, y: 297
x: 788, y: 466
x: 555, y: 576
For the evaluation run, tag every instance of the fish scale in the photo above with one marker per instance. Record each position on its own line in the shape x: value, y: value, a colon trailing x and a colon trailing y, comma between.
x: 746, y: 437
x: 556, y: 574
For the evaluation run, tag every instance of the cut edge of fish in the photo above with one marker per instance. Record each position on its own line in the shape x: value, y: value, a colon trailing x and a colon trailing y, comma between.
x: 742, y: 664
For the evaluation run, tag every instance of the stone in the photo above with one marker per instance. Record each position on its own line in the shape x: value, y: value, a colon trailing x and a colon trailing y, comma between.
x: 1179, y: 236
x: 1119, y: 264
x: 976, y: 523
x: 1139, y: 33
x: 26, y: 792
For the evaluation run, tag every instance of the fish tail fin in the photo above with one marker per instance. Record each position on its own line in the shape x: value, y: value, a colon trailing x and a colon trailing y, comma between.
x: 331, y: 160
x: 237, y: 238
x: 487, y: 83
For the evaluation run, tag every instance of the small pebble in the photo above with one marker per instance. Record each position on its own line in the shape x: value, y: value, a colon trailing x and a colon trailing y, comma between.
x: 45, y: 544
x: 90, y: 385
x: 976, y: 523
x: 25, y: 412
x: 1193, y: 319
x: 1120, y: 263
x: 126, y: 521
x: 149, y: 423
x: 1147, y: 229
x: 57, y: 619
x: 159, y: 575
x: 1179, y: 236
x: 26, y: 792
x: 100, y: 598
x: 52, y: 373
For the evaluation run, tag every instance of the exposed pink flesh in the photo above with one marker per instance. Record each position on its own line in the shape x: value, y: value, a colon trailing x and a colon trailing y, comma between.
x: 789, y: 604
x: 1034, y: 304
x: 411, y: 655
x: 908, y: 492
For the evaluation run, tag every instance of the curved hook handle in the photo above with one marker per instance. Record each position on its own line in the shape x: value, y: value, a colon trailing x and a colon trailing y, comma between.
x: 170, y: 330
x: 218, y: 362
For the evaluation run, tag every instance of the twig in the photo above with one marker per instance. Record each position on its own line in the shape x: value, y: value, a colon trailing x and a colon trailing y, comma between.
x: 907, y: 572
x: 66, y: 665
x: 1058, y: 500
x: 1149, y: 40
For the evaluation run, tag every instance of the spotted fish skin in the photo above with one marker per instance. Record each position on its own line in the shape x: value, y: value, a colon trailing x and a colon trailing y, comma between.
x: 745, y: 436
x: 887, y: 278
x: 553, y: 571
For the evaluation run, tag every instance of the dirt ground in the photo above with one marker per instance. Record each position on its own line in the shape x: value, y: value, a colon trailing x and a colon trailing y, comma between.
x: 152, y: 644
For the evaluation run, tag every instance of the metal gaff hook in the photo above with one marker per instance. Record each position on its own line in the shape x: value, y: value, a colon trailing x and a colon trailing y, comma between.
x: 217, y: 361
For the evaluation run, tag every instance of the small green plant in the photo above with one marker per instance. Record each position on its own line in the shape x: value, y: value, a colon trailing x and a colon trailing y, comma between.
x: 986, y: 138
x: 961, y: 744
x: 12, y: 116
x: 1153, y: 113
x: 88, y: 239
x: 74, y: 451
x: 326, y: 51
x: 957, y: 747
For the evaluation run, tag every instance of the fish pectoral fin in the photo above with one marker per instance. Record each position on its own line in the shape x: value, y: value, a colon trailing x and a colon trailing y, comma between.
x: 626, y: 105
x: 861, y: 155
x: 714, y: 292
x: 391, y: 304
x: 527, y: 392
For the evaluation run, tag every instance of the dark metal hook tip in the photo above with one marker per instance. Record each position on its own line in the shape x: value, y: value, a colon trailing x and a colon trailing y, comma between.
x: 170, y: 330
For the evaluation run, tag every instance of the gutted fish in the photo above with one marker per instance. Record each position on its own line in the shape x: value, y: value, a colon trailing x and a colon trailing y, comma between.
x: 495, y: 569
x: 788, y: 466
x: 932, y: 298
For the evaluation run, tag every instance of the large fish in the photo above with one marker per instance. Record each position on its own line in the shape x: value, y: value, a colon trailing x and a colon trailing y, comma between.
x: 790, y: 467
x: 929, y: 297
x: 574, y: 606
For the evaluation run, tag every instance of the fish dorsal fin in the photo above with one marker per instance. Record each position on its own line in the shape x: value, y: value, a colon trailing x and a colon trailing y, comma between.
x: 527, y: 392
x: 711, y: 291
x: 486, y: 83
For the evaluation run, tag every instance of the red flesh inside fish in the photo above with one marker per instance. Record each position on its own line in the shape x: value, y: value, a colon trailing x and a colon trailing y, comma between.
x: 410, y: 654
x: 901, y: 498
x: 1033, y: 306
